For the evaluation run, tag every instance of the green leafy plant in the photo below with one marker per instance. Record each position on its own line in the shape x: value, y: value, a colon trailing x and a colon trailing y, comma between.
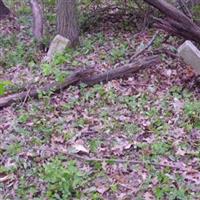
x: 52, y: 69
x: 23, y: 118
x: 18, y: 54
x: 87, y: 46
x: 130, y: 102
x: 25, y: 190
x: 96, y: 196
x: 3, y: 86
x: 192, y: 113
x: 14, y: 149
x: 196, y: 12
x: 45, y: 128
x: 24, y: 10
x: 153, y: 112
x: 158, y: 125
x: 192, y: 109
x: 80, y: 123
x: 165, y: 191
x: 131, y: 129
x: 71, y: 104
x: 160, y: 148
x: 94, y: 145
x: 118, y: 53
x: 47, y: 69
x: 158, y: 41
x: 64, y: 181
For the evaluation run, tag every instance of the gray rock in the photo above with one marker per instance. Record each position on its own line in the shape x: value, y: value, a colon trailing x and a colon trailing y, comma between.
x: 57, y: 46
x: 191, y: 55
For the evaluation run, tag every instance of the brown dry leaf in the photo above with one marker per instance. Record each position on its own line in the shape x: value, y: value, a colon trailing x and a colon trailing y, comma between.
x: 6, y: 178
x: 79, y: 148
x: 120, y: 178
x: 178, y: 133
x: 57, y: 139
x: 178, y: 105
x: 102, y: 185
x: 102, y: 189
x: 180, y: 152
x: 120, y: 146
x: 155, y: 181
x: 168, y: 72
x: 192, y: 175
x: 148, y: 196
x: 27, y: 154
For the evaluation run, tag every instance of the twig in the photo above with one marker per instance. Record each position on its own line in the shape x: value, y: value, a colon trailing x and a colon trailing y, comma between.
x: 166, y: 51
x: 26, y: 97
x: 125, y: 161
x: 146, y: 47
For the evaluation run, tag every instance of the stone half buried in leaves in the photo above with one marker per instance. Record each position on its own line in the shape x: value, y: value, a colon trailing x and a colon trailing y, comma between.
x: 57, y: 46
x: 191, y: 55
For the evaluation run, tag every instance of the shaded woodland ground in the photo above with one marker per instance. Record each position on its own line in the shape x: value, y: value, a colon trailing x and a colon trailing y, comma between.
x: 132, y: 138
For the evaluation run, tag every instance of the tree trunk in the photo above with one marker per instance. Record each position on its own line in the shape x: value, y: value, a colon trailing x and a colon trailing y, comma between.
x: 67, y: 24
x: 37, y: 19
x: 4, y: 11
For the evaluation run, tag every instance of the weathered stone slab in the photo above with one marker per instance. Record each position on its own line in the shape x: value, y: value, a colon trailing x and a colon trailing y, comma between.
x: 57, y: 46
x: 191, y: 55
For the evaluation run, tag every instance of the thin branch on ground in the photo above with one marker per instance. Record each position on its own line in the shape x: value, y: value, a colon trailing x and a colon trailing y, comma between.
x: 134, y: 162
x: 146, y: 47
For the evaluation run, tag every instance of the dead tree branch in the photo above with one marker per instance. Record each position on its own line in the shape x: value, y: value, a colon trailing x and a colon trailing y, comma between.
x: 146, y: 47
x: 86, y: 76
x: 176, y: 22
x: 126, y: 161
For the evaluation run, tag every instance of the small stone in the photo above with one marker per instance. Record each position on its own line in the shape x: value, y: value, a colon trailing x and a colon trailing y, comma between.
x: 191, y: 55
x: 57, y: 46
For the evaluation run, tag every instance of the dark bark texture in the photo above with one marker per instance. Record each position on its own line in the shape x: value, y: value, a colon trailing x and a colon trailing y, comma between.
x: 67, y: 23
x: 4, y: 11
x: 176, y: 22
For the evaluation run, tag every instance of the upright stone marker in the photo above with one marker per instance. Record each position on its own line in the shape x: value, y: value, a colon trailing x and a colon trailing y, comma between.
x: 191, y: 55
x: 58, y: 45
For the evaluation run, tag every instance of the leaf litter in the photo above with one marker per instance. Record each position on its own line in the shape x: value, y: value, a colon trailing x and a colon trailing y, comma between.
x: 141, y: 118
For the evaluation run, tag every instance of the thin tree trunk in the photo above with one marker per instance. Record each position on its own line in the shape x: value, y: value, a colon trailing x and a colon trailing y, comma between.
x: 67, y: 24
x: 37, y: 19
x: 4, y: 11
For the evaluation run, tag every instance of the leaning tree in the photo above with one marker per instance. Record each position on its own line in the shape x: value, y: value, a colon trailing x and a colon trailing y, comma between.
x: 176, y: 22
x: 4, y: 11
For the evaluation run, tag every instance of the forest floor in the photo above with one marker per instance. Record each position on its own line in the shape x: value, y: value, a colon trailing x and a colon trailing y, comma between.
x: 134, y: 138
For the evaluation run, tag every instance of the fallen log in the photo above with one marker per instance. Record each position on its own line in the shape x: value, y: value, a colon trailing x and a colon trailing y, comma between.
x: 85, y: 76
x: 34, y: 93
x: 176, y: 22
